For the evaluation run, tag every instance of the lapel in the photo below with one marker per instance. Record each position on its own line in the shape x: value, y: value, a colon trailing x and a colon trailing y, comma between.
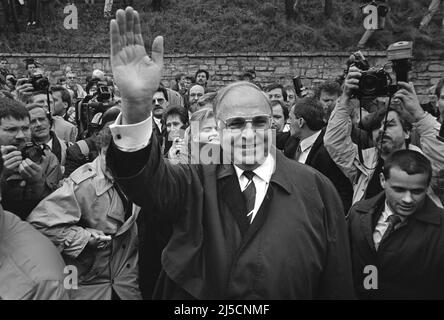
x: 369, y: 213
x: 231, y: 194
x: 291, y: 145
x: 315, y: 148
x: 56, y: 147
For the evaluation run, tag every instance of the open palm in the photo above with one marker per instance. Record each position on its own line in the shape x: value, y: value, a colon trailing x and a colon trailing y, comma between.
x: 136, y: 75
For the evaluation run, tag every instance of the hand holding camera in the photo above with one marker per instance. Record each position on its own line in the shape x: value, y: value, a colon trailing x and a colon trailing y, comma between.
x: 410, y: 102
x: 21, y: 161
x: 30, y: 171
x: 12, y: 158
x: 24, y: 90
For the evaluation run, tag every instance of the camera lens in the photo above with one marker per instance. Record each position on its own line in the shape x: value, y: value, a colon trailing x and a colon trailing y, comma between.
x: 368, y: 84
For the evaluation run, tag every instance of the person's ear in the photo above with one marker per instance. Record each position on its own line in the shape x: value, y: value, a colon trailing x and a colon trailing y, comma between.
x: 301, y: 122
x: 382, y: 180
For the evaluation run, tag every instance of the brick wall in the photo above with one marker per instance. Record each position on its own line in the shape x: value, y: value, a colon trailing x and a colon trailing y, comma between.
x: 225, y: 68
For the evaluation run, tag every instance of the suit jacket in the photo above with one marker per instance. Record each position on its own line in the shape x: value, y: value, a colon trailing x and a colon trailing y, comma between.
x: 64, y: 130
x: 296, y: 247
x: 319, y: 159
x: 409, y: 262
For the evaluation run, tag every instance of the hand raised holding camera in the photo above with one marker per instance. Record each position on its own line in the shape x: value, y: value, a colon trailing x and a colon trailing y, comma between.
x: 24, y: 90
x: 351, y: 83
x: 136, y: 75
x: 12, y: 158
x: 409, y: 100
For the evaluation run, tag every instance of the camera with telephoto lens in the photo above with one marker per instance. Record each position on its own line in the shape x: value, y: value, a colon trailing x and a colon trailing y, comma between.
x: 39, y: 82
x: 32, y: 151
x: 376, y: 82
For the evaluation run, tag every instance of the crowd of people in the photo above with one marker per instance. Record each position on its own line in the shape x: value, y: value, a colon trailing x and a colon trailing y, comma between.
x: 248, y: 192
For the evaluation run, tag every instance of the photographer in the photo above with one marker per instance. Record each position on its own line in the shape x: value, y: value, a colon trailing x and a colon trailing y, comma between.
x: 29, y: 174
x: 393, y: 133
x: 100, y: 97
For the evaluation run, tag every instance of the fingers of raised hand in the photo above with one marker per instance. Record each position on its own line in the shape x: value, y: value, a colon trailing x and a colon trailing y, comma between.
x: 129, y: 27
x: 157, y: 51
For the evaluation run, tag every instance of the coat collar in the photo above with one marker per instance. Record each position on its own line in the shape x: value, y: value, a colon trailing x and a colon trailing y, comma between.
x: 319, y: 142
x: 279, y: 177
x: 430, y: 213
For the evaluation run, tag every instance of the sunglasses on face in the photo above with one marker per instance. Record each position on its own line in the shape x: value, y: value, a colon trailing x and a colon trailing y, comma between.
x: 239, y: 123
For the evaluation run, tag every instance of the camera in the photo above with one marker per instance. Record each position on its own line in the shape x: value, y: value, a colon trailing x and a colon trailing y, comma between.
x: 39, y: 82
x: 32, y: 151
x: 376, y: 82
x: 103, y: 92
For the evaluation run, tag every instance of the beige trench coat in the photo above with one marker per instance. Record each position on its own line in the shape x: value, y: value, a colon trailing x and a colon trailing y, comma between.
x: 88, y: 198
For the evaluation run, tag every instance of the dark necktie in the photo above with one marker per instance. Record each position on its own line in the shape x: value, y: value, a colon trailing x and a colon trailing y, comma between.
x: 393, y: 220
x: 249, y: 195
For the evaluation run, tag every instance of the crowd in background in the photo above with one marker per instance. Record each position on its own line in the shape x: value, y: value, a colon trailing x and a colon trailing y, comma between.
x: 55, y: 140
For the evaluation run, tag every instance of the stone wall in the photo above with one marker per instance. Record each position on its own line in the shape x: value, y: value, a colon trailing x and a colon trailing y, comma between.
x: 225, y: 68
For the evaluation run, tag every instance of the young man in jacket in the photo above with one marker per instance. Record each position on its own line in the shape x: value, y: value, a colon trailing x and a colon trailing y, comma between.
x: 396, y: 237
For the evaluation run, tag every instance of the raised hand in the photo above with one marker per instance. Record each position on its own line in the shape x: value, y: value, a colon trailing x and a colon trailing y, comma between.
x: 409, y: 100
x: 137, y: 75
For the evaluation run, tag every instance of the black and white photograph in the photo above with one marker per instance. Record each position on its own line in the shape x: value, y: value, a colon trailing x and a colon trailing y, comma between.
x: 233, y: 152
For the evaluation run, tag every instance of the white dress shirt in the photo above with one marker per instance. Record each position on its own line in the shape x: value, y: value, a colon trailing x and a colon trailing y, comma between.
x: 261, y: 181
x: 158, y: 122
x: 49, y: 144
x: 134, y: 137
x: 382, y: 225
x: 306, y: 145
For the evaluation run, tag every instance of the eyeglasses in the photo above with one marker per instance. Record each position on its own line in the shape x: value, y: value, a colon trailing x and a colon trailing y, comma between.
x: 239, y: 123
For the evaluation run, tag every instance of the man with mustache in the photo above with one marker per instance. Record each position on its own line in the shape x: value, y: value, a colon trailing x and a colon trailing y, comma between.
x: 392, y: 135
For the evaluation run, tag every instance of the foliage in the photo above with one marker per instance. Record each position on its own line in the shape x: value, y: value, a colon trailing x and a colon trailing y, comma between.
x: 191, y: 26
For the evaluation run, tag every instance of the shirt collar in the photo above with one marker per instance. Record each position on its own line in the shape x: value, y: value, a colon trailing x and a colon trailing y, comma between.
x: 264, y: 171
x: 388, y: 212
x: 49, y: 143
x: 309, y: 141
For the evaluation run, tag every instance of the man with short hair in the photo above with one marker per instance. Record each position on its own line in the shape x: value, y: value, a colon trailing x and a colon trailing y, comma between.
x: 396, y: 237
x: 179, y: 86
x: 24, y: 182
x: 243, y: 228
x: 362, y: 167
x: 42, y: 134
x: 62, y: 128
x: 280, y: 115
x: 328, y: 93
x: 4, y: 67
x: 202, y: 77
x: 306, y: 145
x: 195, y: 92
x: 276, y: 91
x: 76, y: 89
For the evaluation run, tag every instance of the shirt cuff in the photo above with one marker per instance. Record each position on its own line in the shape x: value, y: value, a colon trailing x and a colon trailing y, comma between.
x: 131, y: 137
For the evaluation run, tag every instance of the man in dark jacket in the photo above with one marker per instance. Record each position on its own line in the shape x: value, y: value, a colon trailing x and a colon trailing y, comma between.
x: 396, y: 237
x: 244, y: 226
x: 306, y: 145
